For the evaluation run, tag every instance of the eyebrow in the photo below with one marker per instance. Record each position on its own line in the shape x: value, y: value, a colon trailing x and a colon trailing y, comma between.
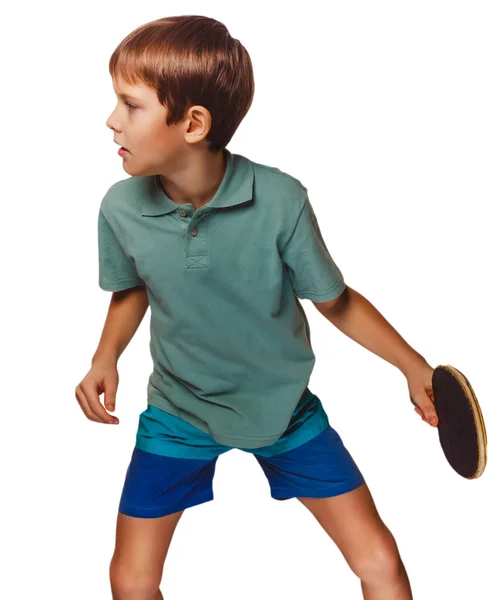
x: 128, y: 97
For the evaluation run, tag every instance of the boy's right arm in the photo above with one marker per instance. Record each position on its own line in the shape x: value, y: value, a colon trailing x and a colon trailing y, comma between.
x: 126, y: 311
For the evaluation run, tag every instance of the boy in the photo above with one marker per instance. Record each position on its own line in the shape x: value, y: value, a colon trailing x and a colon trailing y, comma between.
x: 222, y: 248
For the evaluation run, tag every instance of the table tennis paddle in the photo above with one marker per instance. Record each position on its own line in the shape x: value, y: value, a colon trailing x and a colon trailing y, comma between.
x: 461, y: 427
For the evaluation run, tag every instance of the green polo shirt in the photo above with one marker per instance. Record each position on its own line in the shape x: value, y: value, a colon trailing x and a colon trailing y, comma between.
x: 229, y: 339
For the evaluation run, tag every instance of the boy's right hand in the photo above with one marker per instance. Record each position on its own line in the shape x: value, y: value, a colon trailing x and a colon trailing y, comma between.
x: 102, y: 377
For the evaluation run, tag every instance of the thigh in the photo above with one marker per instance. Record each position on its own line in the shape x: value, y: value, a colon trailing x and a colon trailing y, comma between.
x: 141, y: 547
x: 157, y: 489
x: 354, y: 524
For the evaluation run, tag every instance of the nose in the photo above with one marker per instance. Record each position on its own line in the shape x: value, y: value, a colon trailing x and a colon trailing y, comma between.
x: 110, y: 123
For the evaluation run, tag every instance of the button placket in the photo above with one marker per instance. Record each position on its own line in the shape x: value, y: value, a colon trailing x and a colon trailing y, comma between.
x: 196, y: 244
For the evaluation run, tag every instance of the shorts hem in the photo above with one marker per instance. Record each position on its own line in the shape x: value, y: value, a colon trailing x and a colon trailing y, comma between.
x: 150, y: 513
x: 335, y: 490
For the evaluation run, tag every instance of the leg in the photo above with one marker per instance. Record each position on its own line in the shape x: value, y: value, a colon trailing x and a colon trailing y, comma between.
x: 140, y: 551
x: 156, y: 491
x: 353, y: 523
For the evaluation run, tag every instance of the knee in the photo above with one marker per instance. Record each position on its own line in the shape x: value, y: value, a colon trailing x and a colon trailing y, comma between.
x: 128, y: 583
x: 381, y: 562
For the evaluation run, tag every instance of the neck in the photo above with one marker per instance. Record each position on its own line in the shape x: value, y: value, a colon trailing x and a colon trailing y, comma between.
x: 197, y: 180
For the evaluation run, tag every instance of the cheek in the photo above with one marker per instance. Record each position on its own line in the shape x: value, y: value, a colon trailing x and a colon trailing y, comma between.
x: 153, y: 138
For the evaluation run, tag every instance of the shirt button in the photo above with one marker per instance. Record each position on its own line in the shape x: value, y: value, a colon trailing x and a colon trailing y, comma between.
x: 182, y: 212
x: 194, y: 231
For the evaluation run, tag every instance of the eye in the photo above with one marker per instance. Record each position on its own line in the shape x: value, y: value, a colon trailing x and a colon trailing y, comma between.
x: 130, y: 106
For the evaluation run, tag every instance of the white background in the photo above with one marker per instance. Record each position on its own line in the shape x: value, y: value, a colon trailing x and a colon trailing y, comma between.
x: 386, y: 112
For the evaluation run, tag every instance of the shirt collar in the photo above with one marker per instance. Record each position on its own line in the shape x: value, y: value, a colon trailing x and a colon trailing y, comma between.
x: 236, y: 187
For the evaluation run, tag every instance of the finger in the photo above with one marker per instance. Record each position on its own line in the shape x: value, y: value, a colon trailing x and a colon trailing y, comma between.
x: 427, y: 406
x: 432, y: 417
x: 436, y: 422
x: 83, y: 403
x: 92, y: 396
x: 420, y: 413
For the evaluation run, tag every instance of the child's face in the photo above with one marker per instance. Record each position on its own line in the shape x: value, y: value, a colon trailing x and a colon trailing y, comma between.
x: 138, y: 123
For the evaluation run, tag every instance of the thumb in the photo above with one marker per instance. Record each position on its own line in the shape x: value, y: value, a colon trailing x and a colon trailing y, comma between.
x: 427, y: 407
x: 110, y: 388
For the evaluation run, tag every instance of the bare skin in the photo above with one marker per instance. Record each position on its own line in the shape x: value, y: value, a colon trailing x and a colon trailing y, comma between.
x: 353, y: 523
x: 141, y: 548
x: 178, y: 153
x: 351, y: 520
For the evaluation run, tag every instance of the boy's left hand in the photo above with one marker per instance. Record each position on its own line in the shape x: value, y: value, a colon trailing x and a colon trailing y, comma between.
x: 419, y: 382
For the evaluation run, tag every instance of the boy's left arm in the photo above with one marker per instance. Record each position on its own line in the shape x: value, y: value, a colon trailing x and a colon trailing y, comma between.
x: 356, y: 317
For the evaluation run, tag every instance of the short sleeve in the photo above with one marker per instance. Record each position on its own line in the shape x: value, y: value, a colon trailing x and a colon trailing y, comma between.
x: 312, y: 270
x: 116, y: 270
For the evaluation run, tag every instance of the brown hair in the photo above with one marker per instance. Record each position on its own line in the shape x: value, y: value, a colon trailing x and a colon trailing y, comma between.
x: 188, y: 60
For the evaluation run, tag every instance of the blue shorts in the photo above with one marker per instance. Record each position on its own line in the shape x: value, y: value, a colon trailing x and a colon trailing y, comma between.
x: 173, y: 463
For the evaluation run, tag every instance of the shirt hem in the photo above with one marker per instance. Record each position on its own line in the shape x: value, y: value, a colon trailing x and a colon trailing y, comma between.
x: 250, y: 442
x: 329, y: 294
x: 241, y: 442
x: 225, y: 439
x: 298, y: 438
x: 117, y: 286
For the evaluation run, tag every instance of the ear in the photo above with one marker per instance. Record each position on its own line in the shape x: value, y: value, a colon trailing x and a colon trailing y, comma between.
x: 199, y: 123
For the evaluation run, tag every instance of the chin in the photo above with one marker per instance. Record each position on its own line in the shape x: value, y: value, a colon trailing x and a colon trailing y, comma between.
x: 136, y: 170
x: 129, y: 170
